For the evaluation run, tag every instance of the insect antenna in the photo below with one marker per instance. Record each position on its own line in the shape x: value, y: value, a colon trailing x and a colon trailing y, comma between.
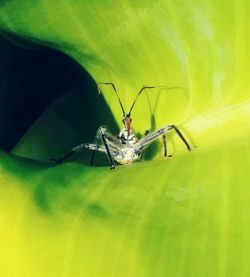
x: 113, y: 86
x: 151, y: 87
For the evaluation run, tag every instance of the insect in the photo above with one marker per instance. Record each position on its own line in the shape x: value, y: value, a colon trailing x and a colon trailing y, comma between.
x: 125, y: 148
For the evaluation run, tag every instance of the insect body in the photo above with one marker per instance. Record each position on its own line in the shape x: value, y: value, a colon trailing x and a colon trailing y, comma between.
x: 125, y: 148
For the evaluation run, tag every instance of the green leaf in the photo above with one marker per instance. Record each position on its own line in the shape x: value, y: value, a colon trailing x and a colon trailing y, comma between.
x: 184, y: 216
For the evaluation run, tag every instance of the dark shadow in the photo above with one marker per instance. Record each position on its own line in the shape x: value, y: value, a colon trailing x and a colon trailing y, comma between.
x: 48, y: 101
x: 155, y: 147
x: 48, y: 104
x: 82, y: 110
x: 29, y: 81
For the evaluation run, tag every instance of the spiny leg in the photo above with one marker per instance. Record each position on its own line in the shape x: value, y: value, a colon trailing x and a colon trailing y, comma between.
x: 112, y: 164
x: 79, y: 148
x: 145, y: 134
x: 65, y: 156
x: 165, y: 146
x: 181, y: 136
x: 94, y: 152
x: 99, y: 130
x: 148, y: 139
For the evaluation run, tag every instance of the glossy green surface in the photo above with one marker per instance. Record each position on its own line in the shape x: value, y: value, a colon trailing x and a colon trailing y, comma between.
x: 184, y: 216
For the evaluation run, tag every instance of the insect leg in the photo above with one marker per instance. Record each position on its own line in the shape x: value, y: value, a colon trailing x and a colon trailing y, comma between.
x: 149, y: 138
x: 92, y: 157
x: 112, y: 164
x: 145, y: 141
x: 145, y: 134
x: 165, y: 145
x: 65, y: 156
x: 181, y: 136
x: 79, y: 148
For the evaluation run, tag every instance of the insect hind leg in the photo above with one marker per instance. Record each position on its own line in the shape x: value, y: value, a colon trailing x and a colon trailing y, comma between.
x: 92, y: 158
x: 77, y: 149
x: 165, y: 147
x: 62, y: 158
x: 148, y: 139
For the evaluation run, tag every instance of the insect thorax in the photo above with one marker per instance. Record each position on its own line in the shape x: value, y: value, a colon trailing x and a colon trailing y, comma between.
x: 128, y: 138
x: 128, y: 152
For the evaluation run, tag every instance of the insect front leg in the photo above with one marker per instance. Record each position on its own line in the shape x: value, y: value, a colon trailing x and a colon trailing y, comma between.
x: 104, y: 139
x: 94, y: 152
x: 98, y: 140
